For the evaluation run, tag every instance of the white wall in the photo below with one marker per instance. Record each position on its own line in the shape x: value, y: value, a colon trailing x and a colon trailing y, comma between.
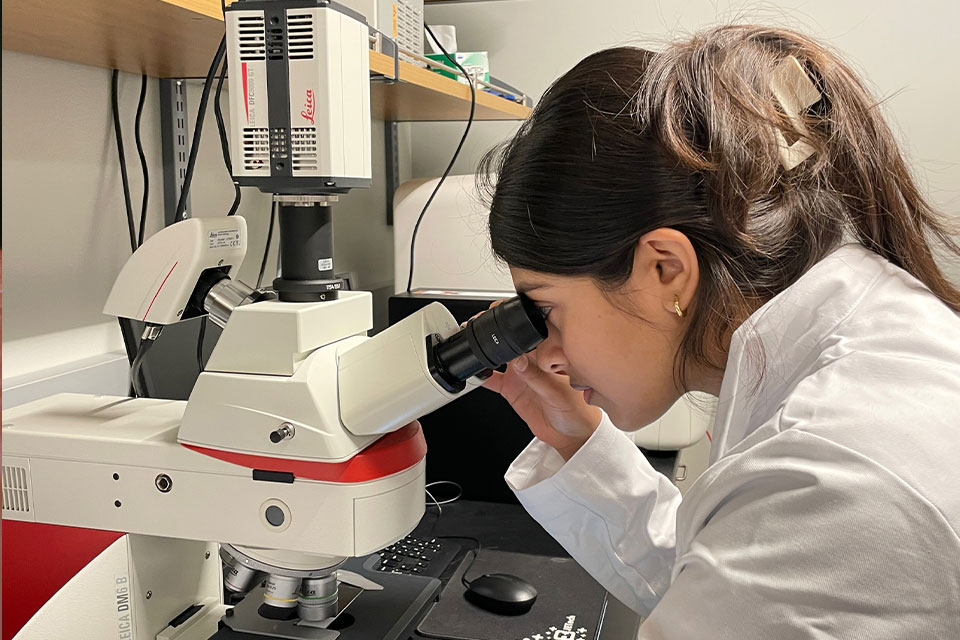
x: 908, y: 51
x: 64, y: 230
x: 64, y: 224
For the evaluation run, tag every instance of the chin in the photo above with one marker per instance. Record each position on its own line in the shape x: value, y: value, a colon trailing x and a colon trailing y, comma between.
x: 628, y: 422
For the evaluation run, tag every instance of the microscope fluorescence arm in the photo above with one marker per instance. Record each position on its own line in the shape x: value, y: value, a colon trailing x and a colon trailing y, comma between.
x: 161, y: 282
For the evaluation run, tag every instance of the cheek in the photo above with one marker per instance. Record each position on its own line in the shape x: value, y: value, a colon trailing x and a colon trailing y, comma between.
x: 630, y: 366
x: 600, y: 353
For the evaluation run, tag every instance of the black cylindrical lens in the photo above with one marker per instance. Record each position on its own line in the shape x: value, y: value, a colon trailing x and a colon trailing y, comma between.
x: 306, y: 254
x: 456, y: 357
x: 493, y: 338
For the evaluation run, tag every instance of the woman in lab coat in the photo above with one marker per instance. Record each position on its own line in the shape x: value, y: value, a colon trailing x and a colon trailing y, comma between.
x: 733, y: 216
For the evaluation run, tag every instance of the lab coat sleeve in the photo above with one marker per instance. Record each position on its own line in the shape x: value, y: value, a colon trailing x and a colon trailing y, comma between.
x: 609, y: 509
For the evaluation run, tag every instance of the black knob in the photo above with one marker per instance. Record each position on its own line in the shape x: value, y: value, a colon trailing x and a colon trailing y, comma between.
x: 283, y: 432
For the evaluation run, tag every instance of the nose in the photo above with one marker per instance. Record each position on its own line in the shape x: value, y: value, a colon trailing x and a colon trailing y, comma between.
x: 550, y: 355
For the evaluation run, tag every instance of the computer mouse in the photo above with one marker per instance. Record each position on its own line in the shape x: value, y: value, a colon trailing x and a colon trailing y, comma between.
x: 501, y: 593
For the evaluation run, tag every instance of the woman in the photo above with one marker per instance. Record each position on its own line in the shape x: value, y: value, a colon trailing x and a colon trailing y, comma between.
x: 733, y: 216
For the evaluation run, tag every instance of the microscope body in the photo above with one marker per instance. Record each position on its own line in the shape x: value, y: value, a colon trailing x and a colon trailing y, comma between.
x: 177, y: 475
x: 299, y: 435
x: 298, y: 447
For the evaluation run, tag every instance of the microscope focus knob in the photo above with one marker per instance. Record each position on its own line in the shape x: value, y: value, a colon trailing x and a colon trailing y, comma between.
x: 285, y: 431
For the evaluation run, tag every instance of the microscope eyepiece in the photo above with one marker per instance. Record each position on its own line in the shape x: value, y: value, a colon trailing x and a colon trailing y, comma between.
x: 489, y: 340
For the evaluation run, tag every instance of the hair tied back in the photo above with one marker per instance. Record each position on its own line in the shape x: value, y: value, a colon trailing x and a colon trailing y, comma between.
x: 795, y: 93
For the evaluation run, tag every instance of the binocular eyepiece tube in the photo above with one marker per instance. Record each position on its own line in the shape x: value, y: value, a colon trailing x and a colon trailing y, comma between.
x: 488, y: 341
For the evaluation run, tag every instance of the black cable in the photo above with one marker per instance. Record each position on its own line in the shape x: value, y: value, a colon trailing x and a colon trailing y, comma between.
x: 145, y: 344
x: 473, y: 106
x: 221, y: 126
x: 224, y: 144
x: 463, y: 576
x: 115, y: 105
x: 192, y: 160
x: 115, y: 102
x: 198, y: 128
x: 203, y: 332
x: 143, y: 160
x: 475, y: 552
x: 266, y: 249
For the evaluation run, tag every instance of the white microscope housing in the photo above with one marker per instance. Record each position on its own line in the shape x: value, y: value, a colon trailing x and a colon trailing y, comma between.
x: 298, y: 446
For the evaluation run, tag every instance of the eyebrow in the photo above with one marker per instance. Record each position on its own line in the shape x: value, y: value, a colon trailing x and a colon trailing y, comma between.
x: 527, y: 289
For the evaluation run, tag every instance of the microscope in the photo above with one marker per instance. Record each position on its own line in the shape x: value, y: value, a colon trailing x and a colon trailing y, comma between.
x: 298, y: 447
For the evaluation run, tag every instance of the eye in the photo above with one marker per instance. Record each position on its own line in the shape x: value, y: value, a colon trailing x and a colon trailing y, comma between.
x: 544, y: 311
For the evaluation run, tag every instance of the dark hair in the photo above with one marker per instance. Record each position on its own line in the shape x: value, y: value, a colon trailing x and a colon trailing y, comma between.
x: 629, y: 141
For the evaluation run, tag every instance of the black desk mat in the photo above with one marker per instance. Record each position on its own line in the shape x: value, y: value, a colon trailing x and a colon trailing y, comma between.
x: 569, y: 601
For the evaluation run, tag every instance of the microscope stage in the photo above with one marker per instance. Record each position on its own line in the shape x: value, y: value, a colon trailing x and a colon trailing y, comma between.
x: 387, y: 614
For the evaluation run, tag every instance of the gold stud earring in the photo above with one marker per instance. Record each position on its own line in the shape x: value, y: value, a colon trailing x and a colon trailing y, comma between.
x: 676, y: 305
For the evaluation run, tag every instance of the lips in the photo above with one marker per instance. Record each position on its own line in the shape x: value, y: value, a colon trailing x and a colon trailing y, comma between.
x: 587, y: 391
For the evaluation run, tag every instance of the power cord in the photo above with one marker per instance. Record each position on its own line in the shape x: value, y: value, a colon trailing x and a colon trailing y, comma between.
x: 463, y: 138
x: 224, y: 144
x: 266, y: 248
x: 439, y: 504
x: 118, y: 131
x: 198, y: 127
x: 200, y: 337
x: 143, y: 160
x: 150, y: 335
x: 195, y: 148
x: 135, y: 239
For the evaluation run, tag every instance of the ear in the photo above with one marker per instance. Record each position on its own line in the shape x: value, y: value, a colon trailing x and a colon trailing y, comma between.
x: 665, y: 266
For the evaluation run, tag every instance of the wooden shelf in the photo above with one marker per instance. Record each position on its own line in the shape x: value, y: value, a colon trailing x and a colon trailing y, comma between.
x: 177, y: 39
x: 423, y: 95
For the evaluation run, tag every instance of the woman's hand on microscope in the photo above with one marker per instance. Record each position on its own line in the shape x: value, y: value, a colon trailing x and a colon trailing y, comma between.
x: 556, y: 413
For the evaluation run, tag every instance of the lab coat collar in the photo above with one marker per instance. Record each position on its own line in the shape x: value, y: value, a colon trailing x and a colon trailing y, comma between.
x: 784, y: 337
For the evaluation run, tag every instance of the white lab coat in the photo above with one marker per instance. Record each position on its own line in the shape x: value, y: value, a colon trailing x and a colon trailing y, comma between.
x: 831, y: 507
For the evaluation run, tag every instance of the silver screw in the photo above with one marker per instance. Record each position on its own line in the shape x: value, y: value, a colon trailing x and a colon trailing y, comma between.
x: 206, y: 556
x: 149, y: 594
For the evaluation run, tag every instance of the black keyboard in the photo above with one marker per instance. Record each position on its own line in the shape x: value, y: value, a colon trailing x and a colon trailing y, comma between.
x: 418, y: 556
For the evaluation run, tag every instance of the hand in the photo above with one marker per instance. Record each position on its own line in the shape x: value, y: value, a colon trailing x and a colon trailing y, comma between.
x: 495, y: 303
x: 555, y: 412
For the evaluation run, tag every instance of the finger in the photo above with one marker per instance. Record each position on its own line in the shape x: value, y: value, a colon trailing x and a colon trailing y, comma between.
x: 545, y: 385
x: 493, y: 304
x: 495, y: 382
x: 472, y: 318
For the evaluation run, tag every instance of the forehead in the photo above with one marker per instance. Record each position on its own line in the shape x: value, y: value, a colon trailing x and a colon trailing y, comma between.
x: 527, y: 281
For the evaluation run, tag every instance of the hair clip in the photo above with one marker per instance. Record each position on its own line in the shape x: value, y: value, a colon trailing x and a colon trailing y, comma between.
x: 795, y: 92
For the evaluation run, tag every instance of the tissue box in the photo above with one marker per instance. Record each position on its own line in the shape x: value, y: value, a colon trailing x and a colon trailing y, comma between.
x: 475, y: 63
